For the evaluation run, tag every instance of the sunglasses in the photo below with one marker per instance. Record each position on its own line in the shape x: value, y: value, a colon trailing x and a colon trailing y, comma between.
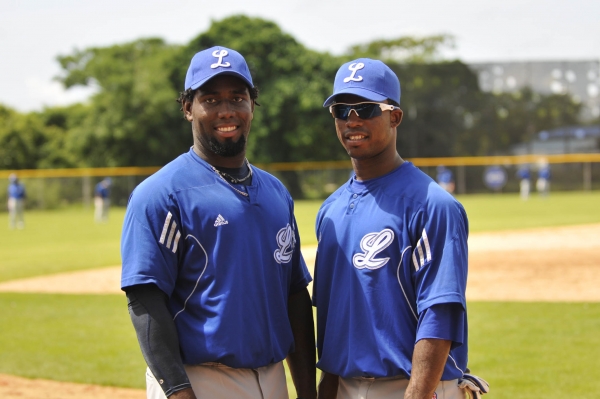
x: 365, y: 110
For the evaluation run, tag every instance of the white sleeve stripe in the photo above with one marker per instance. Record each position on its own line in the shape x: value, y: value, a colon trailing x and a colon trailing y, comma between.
x: 177, y: 236
x: 414, y: 259
x: 426, y: 242
x: 171, y: 233
x: 165, y: 228
x: 420, y: 249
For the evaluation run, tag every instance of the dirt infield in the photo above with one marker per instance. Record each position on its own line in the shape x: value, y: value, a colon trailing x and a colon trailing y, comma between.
x: 550, y: 264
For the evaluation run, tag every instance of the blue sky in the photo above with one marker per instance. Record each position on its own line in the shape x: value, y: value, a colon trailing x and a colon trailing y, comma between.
x: 34, y: 32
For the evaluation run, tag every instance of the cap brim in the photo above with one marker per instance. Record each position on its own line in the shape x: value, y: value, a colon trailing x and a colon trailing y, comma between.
x: 232, y: 73
x: 357, y: 91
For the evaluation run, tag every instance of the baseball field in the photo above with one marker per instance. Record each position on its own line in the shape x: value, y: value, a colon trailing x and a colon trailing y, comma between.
x: 533, y: 300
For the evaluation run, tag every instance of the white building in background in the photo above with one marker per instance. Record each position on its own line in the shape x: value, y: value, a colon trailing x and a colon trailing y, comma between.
x: 581, y: 79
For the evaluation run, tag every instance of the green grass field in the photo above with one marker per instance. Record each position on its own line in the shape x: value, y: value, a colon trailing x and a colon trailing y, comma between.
x: 525, y: 350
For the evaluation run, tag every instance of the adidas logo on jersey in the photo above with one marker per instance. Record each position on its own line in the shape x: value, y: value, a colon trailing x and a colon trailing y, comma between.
x: 171, y: 235
x: 422, y: 253
x: 220, y: 221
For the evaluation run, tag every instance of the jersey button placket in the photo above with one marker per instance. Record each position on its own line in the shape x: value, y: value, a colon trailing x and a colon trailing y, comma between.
x: 353, y: 203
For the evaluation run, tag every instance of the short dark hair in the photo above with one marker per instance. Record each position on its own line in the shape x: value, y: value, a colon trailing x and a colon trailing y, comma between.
x: 189, y: 94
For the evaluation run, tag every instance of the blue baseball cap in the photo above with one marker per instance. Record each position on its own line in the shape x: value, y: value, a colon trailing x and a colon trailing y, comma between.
x: 367, y: 78
x: 215, y: 61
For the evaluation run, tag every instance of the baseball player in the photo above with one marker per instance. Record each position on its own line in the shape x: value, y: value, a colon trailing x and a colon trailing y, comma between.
x: 16, y: 203
x: 543, y: 181
x: 212, y: 268
x: 102, y: 200
x: 524, y: 176
x: 445, y: 179
x: 391, y: 265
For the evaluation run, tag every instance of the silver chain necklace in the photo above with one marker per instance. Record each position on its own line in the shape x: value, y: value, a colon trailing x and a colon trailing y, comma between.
x: 233, y: 179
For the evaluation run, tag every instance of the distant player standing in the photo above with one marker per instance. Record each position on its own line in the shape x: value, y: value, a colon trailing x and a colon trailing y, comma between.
x: 212, y: 267
x: 391, y: 268
x: 16, y: 203
x: 543, y: 181
x: 102, y: 200
x: 524, y: 176
x: 445, y: 179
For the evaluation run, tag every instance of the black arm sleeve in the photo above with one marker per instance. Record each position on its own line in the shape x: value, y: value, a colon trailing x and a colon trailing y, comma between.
x: 157, y: 336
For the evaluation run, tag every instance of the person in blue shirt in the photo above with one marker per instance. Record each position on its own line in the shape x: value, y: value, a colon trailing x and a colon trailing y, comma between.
x: 524, y: 176
x: 102, y: 200
x: 212, y: 269
x: 445, y: 179
x: 16, y: 203
x: 543, y: 181
x: 391, y: 265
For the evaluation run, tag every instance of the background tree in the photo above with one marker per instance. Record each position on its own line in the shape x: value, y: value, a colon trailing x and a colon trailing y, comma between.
x: 21, y: 136
x: 133, y: 118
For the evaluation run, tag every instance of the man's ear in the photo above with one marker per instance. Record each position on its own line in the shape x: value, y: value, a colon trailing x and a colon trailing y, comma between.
x: 396, y: 117
x: 187, y: 110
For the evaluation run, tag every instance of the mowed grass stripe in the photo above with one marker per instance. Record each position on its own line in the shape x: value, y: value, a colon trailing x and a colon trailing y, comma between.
x: 59, y: 241
x: 76, y: 338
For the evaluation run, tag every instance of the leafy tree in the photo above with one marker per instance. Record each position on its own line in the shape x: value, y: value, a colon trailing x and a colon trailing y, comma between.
x: 507, y: 119
x: 21, y: 135
x: 133, y: 118
x: 406, y: 49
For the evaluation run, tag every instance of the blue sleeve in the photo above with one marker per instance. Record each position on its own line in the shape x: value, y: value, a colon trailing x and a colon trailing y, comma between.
x: 440, y: 254
x: 444, y: 321
x: 150, y: 241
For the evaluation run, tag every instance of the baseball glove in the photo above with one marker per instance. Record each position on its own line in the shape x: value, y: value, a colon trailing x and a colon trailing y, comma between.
x: 475, y: 386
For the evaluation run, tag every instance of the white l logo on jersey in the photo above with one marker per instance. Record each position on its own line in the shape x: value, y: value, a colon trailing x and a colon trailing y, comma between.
x: 285, y: 241
x: 354, y: 67
x: 372, y: 244
x: 220, y: 54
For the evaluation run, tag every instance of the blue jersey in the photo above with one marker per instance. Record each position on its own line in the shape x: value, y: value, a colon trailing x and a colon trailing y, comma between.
x: 228, y: 263
x: 102, y: 190
x: 444, y: 176
x: 389, y: 248
x: 16, y: 191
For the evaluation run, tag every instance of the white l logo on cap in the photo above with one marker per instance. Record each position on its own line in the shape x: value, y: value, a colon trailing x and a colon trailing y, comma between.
x: 354, y: 67
x: 220, y: 54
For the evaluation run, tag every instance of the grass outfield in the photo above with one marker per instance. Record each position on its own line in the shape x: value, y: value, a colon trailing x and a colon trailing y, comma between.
x: 525, y: 350
x: 59, y: 241
x: 68, y: 239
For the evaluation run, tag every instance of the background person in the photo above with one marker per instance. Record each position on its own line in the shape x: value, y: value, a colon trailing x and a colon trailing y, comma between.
x: 445, y: 178
x: 212, y: 268
x: 16, y: 203
x: 524, y: 176
x: 543, y: 181
x: 391, y: 267
x: 102, y: 200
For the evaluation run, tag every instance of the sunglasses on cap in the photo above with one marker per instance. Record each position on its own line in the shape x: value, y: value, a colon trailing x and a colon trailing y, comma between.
x: 364, y: 110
